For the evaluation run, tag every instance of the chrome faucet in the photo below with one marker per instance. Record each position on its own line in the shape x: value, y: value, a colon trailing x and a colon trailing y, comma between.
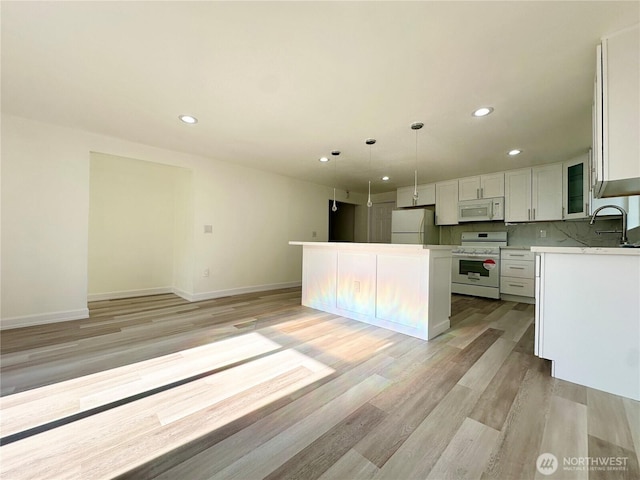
x: 623, y: 240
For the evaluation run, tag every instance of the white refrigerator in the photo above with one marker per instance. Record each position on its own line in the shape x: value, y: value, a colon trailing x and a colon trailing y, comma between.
x: 415, y: 226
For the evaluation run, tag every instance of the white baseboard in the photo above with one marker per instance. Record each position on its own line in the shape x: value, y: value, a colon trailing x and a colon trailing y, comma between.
x: 43, y: 318
x: 54, y: 317
x: 94, y: 297
x: 198, y: 297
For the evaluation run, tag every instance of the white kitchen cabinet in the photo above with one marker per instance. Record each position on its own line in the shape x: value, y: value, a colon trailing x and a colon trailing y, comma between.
x: 575, y: 188
x: 546, y: 192
x: 482, y: 186
x: 616, y: 115
x: 586, y: 316
x: 447, y: 203
x: 426, y: 195
x: 517, y: 195
x: 517, y: 275
x: 534, y: 194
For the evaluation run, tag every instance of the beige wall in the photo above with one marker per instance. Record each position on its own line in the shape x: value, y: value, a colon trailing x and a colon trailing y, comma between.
x: 45, y: 221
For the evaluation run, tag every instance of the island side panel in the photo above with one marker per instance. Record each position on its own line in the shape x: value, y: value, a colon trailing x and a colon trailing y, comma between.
x: 402, y: 293
x: 439, y: 292
x: 356, y: 284
x: 319, y: 275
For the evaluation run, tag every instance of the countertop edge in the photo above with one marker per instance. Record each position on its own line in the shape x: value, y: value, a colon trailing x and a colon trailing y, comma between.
x: 634, y: 252
x: 352, y: 245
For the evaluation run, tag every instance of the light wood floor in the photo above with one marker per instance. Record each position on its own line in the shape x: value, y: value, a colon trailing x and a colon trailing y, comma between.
x: 257, y: 386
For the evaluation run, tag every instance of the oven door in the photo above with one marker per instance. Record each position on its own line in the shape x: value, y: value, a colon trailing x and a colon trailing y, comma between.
x: 475, y: 270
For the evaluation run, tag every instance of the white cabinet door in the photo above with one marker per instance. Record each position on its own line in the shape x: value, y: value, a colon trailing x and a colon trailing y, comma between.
x: 517, y: 195
x: 468, y: 188
x: 426, y: 195
x: 575, y: 188
x: 492, y: 185
x: 483, y: 186
x: 546, y: 195
x: 404, y: 197
x: 447, y: 203
x: 617, y: 112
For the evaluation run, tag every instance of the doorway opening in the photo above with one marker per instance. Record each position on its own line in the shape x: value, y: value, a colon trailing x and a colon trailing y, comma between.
x: 342, y: 222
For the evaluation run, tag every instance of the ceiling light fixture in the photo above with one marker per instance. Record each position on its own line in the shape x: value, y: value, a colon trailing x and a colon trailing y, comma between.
x: 323, y: 159
x: 191, y: 120
x: 482, y: 112
x: 416, y: 126
x: 335, y: 153
x: 385, y: 178
x: 515, y: 152
x: 369, y: 141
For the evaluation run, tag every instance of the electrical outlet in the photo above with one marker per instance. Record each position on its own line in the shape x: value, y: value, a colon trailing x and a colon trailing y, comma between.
x: 314, y: 234
x: 543, y: 234
x: 205, y: 272
x: 208, y: 229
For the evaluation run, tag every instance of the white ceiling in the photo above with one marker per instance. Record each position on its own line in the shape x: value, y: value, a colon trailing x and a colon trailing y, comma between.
x: 276, y: 85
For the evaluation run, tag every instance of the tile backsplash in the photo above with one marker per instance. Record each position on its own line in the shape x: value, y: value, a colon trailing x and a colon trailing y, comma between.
x: 570, y: 233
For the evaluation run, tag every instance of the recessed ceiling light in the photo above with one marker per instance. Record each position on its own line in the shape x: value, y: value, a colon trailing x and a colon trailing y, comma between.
x: 188, y: 119
x: 515, y: 152
x: 385, y: 178
x: 323, y: 159
x: 482, y: 112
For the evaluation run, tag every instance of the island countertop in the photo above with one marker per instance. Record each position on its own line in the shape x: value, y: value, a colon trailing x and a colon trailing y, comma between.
x: 360, y: 246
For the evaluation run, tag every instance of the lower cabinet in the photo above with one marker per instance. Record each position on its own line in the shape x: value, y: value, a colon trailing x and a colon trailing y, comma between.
x: 517, y: 275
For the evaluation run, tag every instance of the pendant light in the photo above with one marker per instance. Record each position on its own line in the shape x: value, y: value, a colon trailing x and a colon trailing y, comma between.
x: 335, y: 153
x: 416, y: 126
x: 369, y: 141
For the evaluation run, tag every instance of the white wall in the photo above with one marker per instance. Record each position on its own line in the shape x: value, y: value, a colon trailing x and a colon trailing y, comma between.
x: 134, y: 212
x: 45, y: 221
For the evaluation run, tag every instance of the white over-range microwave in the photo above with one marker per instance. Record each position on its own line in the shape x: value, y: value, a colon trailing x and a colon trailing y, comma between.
x: 483, y: 210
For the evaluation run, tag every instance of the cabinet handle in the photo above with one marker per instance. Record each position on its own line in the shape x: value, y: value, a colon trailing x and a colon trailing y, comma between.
x: 534, y: 214
x: 516, y: 285
x: 516, y: 254
x: 586, y: 208
x: 517, y: 268
x: 528, y: 214
x: 562, y: 212
x: 481, y: 192
x: 478, y: 193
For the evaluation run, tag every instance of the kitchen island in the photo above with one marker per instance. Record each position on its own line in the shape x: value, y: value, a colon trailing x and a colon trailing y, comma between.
x: 588, y: 316
x: 404, y: 288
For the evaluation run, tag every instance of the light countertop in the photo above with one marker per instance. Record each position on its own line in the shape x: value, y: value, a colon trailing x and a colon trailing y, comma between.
x: 356, y: 246
x: 634, y: 252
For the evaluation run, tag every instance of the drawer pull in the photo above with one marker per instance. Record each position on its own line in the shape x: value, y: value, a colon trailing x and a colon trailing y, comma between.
x: 516, y: 285
x: 517, y: 268
x: 516, y: 254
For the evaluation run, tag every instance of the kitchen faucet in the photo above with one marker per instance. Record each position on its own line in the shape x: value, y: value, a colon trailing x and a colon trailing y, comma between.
x: 623, y: 240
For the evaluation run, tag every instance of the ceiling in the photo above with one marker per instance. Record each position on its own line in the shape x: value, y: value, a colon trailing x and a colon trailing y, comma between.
x: 276, y: 85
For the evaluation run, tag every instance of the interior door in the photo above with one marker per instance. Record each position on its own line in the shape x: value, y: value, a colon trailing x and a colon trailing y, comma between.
x: 380, y: 222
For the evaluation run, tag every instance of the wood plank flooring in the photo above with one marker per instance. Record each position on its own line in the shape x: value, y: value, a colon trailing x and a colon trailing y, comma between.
x: 257, y: 386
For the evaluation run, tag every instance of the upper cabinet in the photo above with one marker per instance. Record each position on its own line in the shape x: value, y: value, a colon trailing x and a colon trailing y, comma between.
x: 426, y: 196
x: 517, y: 195
x: 447, y: 203
x: 575, y: 188
x: 482, y: 186
x: 616, y: 115
x: 533, y: 194
x: 546, y: 192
